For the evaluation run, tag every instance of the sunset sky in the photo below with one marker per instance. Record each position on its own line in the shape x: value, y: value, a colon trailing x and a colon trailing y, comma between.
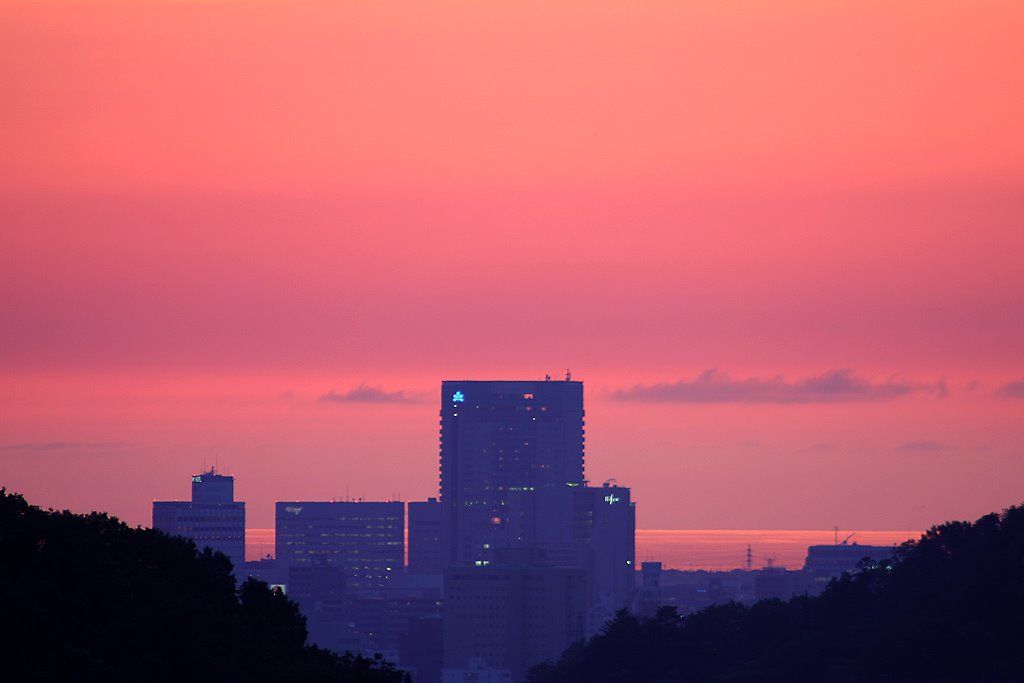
x: 781, y: 242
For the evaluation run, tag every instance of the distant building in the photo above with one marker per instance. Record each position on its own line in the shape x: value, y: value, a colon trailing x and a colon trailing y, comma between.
x: 648, y: 597
x: 606, y: 523
x: 419, y: 650
x: 588, y: 527
x: 316, y: 587
x: 267, y: 570
x: 827, y: 562
x: 212, y: 519
x: 211, y: 487
x: 425, y: 537
x: 476, y: 671
x: 382, y: 621
x: 319, y: 590
x: 778, y: 583
x: 365, y: 539
x: 511, y: 613
x: 499, y: 438
x: 692, y: 591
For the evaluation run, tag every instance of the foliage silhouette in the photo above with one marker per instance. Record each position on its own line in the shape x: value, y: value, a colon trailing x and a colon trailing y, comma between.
x: 87, y: 598
x: 946, y: 609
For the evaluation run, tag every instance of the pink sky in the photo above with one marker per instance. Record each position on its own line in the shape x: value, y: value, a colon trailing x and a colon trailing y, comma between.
x: 212, y: 214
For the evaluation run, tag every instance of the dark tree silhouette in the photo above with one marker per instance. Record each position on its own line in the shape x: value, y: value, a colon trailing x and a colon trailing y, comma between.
x: 946, y: 609
x: 87, y: 598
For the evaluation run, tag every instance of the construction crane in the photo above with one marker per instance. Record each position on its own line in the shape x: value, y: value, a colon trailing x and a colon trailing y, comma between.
x: 835, y: 538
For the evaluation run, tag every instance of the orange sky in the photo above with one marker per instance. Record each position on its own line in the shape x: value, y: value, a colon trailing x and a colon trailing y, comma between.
x: 212, y: 214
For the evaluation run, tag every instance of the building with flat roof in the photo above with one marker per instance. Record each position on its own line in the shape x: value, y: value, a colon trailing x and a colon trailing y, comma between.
x: 827, y: 562
x: 592, y: 528
x: 511, y: 613
x: 499, y: 438
x: 425, y: 537
x: 212, y: 519
x: 366, y: 539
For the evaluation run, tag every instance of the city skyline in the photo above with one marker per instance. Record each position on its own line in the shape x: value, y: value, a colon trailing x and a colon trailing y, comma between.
x: 262, y: 494
x: 780, y: 244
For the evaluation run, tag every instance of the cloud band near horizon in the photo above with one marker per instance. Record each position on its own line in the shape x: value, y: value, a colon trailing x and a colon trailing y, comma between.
x: 837, y: 386
x: 365, y: 393
x: 1011, y: 390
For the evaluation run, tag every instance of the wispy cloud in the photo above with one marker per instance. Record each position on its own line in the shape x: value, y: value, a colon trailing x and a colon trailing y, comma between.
x: 921, y: 446
x: 1011, y: 390
x: 364, y: 393
x: 837, y: 386
x: 64, y: 446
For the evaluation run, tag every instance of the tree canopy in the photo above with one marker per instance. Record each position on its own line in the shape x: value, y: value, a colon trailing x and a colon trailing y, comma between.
x: 88, y: 598
x: 946, y: 609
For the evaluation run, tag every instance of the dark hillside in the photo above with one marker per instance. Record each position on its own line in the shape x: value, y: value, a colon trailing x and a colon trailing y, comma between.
x: 87, y: 598
x: 949, y: 608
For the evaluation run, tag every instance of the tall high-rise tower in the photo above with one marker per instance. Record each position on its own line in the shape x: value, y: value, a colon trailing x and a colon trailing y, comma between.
x: 500, y: 439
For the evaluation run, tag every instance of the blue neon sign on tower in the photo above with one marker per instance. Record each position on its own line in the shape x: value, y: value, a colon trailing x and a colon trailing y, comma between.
x: 458, y: 397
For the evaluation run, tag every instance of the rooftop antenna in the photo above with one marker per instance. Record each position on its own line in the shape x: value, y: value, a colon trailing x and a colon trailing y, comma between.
x: 568, y: 375
x: 547, y: 378
x: 835, y: 535
x: 750, y: 558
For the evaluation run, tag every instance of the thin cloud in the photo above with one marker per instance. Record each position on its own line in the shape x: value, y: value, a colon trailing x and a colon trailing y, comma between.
x: 838, y: 386
x: 1011, y: 390
x: 921, y: 446
x: 63, y: 446
x: 365, y: 393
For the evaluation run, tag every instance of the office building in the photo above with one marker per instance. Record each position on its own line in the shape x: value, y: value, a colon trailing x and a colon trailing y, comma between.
x: 476, y: 671
x: 510, y: 614
x: 212, y: 519
x: 592, y: 528
x: 365, y: 539
x: 499, y: 438
x: 588, y: 527
x: 419, y: 650
x: 425, y: 537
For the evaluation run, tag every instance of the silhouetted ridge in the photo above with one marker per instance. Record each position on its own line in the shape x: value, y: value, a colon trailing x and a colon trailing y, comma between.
x: 87, y: 598
x: 948, y: 608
